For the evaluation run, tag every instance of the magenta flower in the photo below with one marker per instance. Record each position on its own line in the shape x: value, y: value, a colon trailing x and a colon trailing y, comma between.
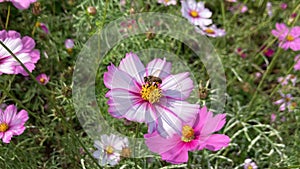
x: 211, y: 31
x: 43, y: 79
x: 249, y: 164
x: 297, y: 65
x: 289, y: 38
x: 195, y: 12
x: 24, y: 50
x: 12, y: 123
x: 283, y: 6
x: 136, y: 96
x: 285, y: 102
x: 194, y: 135
x: 43, y: 26
x: 167, y: 2
x: 241, y: 53
x: 20, y: 4
x: 109, y: 149
x: 69, y: 44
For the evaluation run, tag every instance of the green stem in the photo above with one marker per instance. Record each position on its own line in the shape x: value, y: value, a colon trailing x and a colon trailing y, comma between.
x: 135, y: 141
x: 269, y: 69
x: 7, y: 16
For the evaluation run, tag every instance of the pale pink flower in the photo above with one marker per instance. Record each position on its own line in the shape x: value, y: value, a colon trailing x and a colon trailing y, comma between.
x: 24, y: 50
x: 167, y: 2
x: 273, y: 117
x: 12, y: 123
x: 195, y: 12
x: 211, y: 31
x: 288, y: 37
x: 196, y: 134
x: 160, y: 105
x: 289, y: 78
x: 269, y: 9
x: 241, y: 8
x: 109, y: 149
x: 285, y: 101
x: 231, y: 0
x: 297, y: 65
x: 249, y: 164
x: 43, y: 79
x: 69, y: 44
x: 20, y: 4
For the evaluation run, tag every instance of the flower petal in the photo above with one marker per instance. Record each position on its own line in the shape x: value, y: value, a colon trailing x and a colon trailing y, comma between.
x: 177, y: 86
x: 132, y: 65
x: 159, y: 68
x: 116, y: 78
x: 9, y: 114
x: 216, y: 142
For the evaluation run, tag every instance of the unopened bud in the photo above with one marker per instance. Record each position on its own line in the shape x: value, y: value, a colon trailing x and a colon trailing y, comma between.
x: 36, y: 10
x: 92, y: 10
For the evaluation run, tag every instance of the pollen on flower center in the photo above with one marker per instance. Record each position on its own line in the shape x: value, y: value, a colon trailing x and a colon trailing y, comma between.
x: 3, y: 127
x: 42, y: 80
x: 290, y: 38
x: 187, y: 133
x: 109, y: 149
x: 249, y: 167
x: 151, y: 93
x: 209, y: 31
x: 194, y: 14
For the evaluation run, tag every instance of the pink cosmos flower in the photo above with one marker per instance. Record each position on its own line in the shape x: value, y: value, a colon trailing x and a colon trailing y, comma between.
x: 23, y: 48
x: 167, y: 2
x: 283, y: 6
x: 69, y: 44
x: 273, y: 117
x: 109, y: 149
x: 211, y: 31
x: 20, y: 4
x: 194, y: 135
x: 297, y: 65
x: 231, y: 0
x: 12, y: 123
x: 43, y: 26
x: 43, y: 79
x: 285, y: 102
x: 136, y: 96
x: 196, y: 13
x: 289, y: 38
x: 285, y: 80
x: 249, y: 164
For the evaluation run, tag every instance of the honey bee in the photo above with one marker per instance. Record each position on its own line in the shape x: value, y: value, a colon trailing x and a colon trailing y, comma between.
x: 153, y: 79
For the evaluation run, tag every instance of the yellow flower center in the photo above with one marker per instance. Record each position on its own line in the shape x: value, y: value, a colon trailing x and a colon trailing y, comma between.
x: 187, y: 133
x: 209, y: 31
x: 37, y: 24
x: 290, y: 38
x: 109, y: 149
x: 126, y: 152
x: 166, y: 1
x: 194, y: 14
x: 249, y: 167
x: 3, y: 127
x: 42, y: 80
x: 287, y: 99
x: 151, y: 93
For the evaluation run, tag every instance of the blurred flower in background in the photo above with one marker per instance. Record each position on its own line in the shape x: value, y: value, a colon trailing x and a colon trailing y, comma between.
x: 285, y: 101
x: 23, y: 48
x: 20, y: 4
x: 211, y: 31
x: 43, y: 79
x: 288, y: 37
x: 196, y: 13
x: 69, y: 44
x: 43, y: 26
x: 297, y: 65
x: 249, y: 164
x: 167, y: 2
x: 11, y: 122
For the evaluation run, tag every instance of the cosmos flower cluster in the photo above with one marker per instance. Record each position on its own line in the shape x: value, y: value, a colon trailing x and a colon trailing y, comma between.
x: 152, y: 95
